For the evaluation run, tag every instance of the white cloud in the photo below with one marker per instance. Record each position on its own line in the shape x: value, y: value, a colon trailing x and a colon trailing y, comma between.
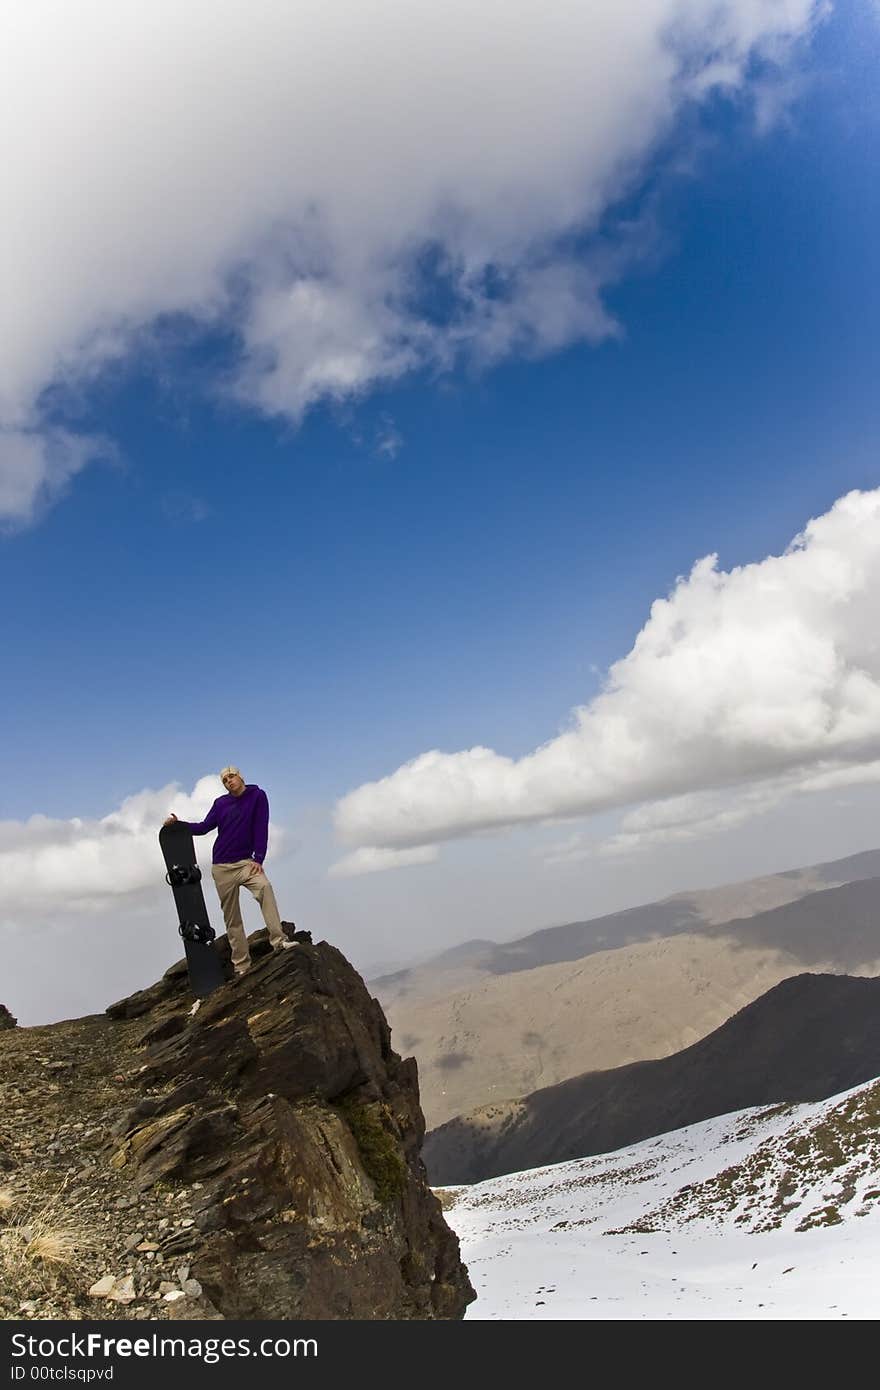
x: 695, y: 816
x: 766, y: 678
x: 286, y: 169
x: 699, y: 815
x: 774, y: 98
x: 373, y: 861
x: 860, y: 775
x: 37, y: 466
x: 389, y: 440
x: 49, y: 865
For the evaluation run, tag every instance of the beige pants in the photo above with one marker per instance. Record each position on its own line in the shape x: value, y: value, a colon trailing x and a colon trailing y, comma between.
x: 229, y: 879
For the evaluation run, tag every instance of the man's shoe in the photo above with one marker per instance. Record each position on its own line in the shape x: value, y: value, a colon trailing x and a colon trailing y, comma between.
x: 241, y: 970
x: 285, y: 945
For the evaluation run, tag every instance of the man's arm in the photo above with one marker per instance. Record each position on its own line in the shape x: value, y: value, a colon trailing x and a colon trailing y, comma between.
x: 203, y: 826
x: 261, y: 827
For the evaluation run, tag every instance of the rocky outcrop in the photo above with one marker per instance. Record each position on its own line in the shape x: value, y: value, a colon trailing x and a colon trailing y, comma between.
x: 280, y: 1101
x: 6, y: 1019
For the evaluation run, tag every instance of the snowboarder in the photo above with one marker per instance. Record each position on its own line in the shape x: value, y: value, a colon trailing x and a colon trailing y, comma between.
x: 241, y: 818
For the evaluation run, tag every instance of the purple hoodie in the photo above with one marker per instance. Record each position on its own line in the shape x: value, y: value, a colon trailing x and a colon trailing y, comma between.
x: 243, y: 825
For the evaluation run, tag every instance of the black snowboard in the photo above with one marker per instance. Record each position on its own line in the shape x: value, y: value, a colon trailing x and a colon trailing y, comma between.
x: 205, y: 968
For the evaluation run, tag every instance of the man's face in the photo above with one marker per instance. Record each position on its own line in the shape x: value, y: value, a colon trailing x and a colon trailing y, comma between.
x: 234, y: 782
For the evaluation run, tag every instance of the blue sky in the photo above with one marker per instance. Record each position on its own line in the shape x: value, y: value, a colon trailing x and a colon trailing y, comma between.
x: 454, y: 555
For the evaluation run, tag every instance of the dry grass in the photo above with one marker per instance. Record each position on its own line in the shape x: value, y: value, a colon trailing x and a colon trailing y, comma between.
x: 41, y: 1247
x: 7, y: 1202
x: 55, y: 1248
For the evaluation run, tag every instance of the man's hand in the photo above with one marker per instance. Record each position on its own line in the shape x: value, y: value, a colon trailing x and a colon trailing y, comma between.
x: 257, y: 869
x: 171, y: 819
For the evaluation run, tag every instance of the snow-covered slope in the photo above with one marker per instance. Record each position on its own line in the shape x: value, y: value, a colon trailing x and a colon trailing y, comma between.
x: 771, y: 1213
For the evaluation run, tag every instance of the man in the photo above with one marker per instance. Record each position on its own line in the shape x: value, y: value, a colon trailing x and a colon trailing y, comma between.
x: 241, y: 818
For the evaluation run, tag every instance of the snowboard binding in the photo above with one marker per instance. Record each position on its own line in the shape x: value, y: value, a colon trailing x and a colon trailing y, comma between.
x: 195, y: 931
x: 179, y: 874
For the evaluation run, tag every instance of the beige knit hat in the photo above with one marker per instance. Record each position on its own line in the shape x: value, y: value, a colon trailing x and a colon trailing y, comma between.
x: 228, y: 771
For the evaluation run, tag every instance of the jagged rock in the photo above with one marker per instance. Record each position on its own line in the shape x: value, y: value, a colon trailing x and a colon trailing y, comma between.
x: 193, y: 1308
x: 103, y: 1286
x: 180, y: 1242
x: 218, y: 1054
x: 6, y: 1019
x: 262, y: 1151
x: 189, y: 1142
x: 166, y: 1029
x: 283, y: 1099
x: 123, y: 1290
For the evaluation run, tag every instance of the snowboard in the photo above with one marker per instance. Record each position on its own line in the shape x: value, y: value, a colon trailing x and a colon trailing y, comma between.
x: 206, y: 971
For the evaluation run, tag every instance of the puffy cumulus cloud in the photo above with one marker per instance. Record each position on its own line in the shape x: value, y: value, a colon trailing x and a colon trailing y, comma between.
x: 766, y: 677
x: 51, y: 865
x: 321, y: 177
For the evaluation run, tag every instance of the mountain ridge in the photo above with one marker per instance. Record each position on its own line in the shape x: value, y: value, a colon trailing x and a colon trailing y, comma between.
x: 805, y: 1039
x: 680, y: 910
x: 481, y: 1037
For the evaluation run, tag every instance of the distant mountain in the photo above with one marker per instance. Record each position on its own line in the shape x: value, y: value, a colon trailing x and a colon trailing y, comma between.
x: 681, y: 912
x: 759, y: 1214
x: 481, y: 1037
x: 467, y: 953
x: 808, y: 1038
